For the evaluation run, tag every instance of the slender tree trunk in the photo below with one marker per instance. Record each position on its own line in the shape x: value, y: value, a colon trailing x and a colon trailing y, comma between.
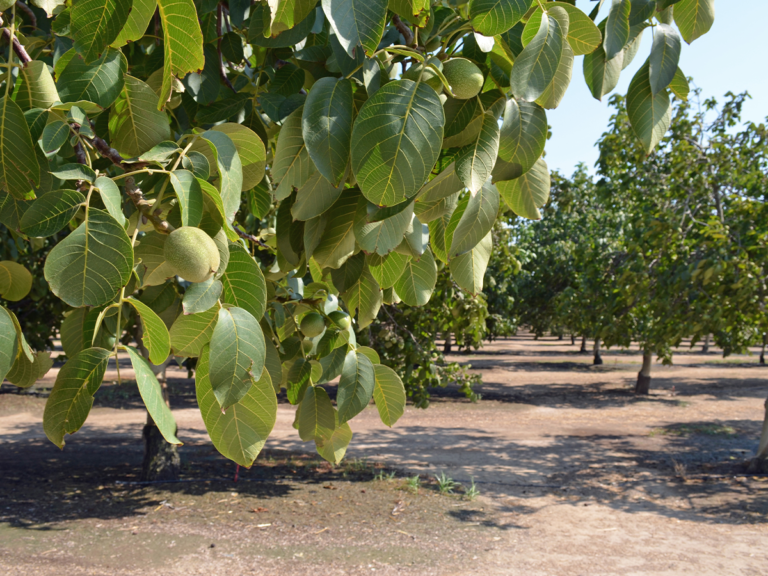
x: 760, y: 461
x: 559, y: 336
x: 762, y: 352
x: 161, y: 459
x: 583, y: 349
x: 705, y: 347
x: 447, y: 345
x: 597, y: 360
x: 573, y: 339
x: 643, y: 385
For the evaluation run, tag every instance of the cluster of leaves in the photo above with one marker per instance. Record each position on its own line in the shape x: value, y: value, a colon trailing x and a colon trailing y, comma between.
x: 656, y: 249
x: 334, y: 153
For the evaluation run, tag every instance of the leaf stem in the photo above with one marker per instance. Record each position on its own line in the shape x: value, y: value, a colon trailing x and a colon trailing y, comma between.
x: 149, y: 171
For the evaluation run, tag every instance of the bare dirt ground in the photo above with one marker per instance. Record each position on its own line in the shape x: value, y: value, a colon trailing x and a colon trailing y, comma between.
x: 577, y: 477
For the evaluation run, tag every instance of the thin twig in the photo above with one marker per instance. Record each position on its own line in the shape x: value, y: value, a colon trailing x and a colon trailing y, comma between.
x: 404, y: 329
x: 17, y: 47
x: 28, y: 13
x: 250, y: 237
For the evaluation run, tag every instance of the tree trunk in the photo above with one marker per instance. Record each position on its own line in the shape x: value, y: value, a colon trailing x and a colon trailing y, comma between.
x: 759, y: 463
x: 762, y: 352
x: 573, y: 339
x: 597, y: 360
x: 447, y: 345
x: 583, y: 345
x: 643, y: 385
x: 559, y: 336
x: 705, y: 347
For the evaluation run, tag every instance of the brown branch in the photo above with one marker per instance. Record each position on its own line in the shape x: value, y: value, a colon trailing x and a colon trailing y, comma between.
x: 80, y: 154
x: 250, y: 237
x: 21, y: 53
x: 403, y: 29
x: 145, y: 207
x: 27, y: 12
x: 104, y: 149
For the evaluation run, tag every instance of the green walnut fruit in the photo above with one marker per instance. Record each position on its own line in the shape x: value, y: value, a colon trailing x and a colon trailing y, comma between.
x: 429, y: 77
x: 192, y: 254
x: 307, y: 346
x: 464, y: 78
x: 312, y: 325
x: 341, y: 319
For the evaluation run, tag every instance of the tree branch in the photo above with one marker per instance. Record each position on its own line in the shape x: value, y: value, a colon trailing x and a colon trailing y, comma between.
x: 250, y: 237
x: 145, y: 207
x: 403, y: 29
x: 21, y: 53
x: 27, y: 12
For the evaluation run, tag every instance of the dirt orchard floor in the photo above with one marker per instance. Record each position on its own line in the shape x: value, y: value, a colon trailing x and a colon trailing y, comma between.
x: 577, y: 477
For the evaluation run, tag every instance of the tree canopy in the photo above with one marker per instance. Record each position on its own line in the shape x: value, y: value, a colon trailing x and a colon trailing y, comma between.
x: 336, y: 153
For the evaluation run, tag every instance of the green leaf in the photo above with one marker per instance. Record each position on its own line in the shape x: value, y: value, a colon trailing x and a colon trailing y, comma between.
x: 110, y: 195
x: 536, y: 65
x: 250, y: 148
x: 355, y: 386
x: 601, y: 74
x: 381, y: 236
x: 389, y: 394
x: 260, y: 15
x: 240, y: 432
x: 298, y: 380
x: 333, y: 449
x: 665, y: 55
x: 386, y: 269
x: 155, y: 337
x: 315, y: 197
x: 35, y: 87
x: 19, y: 170
x: 135, y: 125
x: 9, y: 344
x: 396, y: 141
x: 190, y: 333
x: 51, y: 212
x: 492, y: 17
x: 468, y: 270
x: 100, y: 82
x: 475, y: 161
x: 150, y: 251
x: 292, y: 165
x: 72, y: 395
x: 338, y: 239
x: 317, y: 419
x: 649, y: 114
x: 333, y: 364
x: 364, y: 295
x: 526, y: 194
x: 89, y: 266
x: 183, y: 43
x: 200, y: 296
x: 190, y: 196
x: 523, y: 135
x: 583, y: 36
x: 476, y: 221
x: 74, y: 172
x: 48, y: 5
x: 25, y: 373
x: 95, y: 24
x: 694, y: 18
x: 555, y: 92
x: 680, y: 86
x: 237, y: 349
x: 429, y: 211
x: 437, y: 233
x: 417, y: 282
x: 357, y: 22
x: 244, y: 284
x: 463, y: 120
x: 441, y: 186
x: 230, y: 168
x: 137, y: 23
x: 349, y: 273
x: 152, y: 395
x: 617, y: 28
x: 54, y: 136
x: 327, y: 126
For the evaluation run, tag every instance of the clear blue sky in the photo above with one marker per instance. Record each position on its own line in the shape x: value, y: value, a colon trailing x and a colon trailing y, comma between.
x: 731, y: 56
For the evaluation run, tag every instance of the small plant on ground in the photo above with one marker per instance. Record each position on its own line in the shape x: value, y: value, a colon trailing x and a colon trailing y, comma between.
x: 413, y: 483
x: 472, y: 491
x: 445, y: 484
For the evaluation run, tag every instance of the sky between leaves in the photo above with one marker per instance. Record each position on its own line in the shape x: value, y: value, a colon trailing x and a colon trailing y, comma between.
x: 722, y: 60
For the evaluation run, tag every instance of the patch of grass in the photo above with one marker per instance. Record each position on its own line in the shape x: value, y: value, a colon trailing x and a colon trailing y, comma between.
x: 413, y: 483
x: 472, y: 492
x: 445, y: 484
x: 689, y: 429
x: 384, y: 475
